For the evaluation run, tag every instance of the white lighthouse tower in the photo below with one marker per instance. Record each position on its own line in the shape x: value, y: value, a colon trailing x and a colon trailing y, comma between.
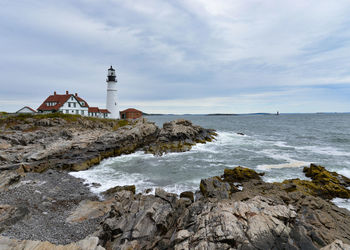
x: 112, y: 102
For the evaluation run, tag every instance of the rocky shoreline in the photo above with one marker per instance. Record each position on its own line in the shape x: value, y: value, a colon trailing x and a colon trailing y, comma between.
x: 37, y: 208
x: 43, y: 207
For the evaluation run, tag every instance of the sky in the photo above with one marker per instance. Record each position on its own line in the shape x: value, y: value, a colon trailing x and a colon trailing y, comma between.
x: 179, y: 56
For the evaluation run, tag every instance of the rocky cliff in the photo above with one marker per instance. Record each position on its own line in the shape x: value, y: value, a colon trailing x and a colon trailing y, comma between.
x: 56, y: 141
x: 42, y: 207
x: 257, y: 215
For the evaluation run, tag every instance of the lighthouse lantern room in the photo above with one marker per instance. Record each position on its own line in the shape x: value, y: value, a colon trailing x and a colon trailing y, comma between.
x: 112, y: 101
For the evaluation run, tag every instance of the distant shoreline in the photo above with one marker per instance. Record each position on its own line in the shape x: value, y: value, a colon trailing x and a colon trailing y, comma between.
x: 247, y: 114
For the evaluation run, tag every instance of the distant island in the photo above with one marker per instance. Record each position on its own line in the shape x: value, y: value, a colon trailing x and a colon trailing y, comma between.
x: 219, y: 114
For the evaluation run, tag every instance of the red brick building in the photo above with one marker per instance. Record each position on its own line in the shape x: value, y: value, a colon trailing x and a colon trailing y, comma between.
x: 130, y: 114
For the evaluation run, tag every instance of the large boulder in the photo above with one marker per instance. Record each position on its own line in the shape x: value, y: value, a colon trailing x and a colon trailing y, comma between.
x: 179, y: 136
x: 138, y: 221
x: 111, y: 192
x: 240, y: 174
x: 336, y: 245
x: 88, y: 210
x: 215, y: 187
x: 325, y: 184
x: 10, y: 215
x: 89, y: 243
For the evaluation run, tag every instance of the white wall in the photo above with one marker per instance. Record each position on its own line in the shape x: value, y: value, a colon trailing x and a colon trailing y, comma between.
x: 69, y: 106
x: 25, y: 110
x: 112, y: 101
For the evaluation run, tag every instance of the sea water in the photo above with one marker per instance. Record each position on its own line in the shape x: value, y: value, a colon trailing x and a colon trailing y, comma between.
x: 279, y: 145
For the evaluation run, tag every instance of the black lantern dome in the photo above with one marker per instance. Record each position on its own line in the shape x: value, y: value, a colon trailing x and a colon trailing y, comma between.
x: 111, y: 75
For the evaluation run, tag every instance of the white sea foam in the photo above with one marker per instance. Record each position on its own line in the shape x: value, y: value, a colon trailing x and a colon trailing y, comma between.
x: 288, y: 162
x: 205, y: 148
x: 127, y: 157
x: 324, y: 150
x: 215, y: 155
x: 344, y: 203
x: 108, y: 178
x: 345, y: 172
x: 293, y: 164
x: 281, y: 144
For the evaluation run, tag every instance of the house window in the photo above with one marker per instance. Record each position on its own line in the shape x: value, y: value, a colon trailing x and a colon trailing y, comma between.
x: 72, y: 98
x: 72, y: 111
x: 74, y: 105
x: 69, y: 104
x: 82, y: 112
x: 67, y: 111
x: 77, y: 112
x: 82, y: 103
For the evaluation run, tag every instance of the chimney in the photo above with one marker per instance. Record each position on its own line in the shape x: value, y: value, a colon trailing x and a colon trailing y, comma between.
x: 54, y: 93
x: 67, y: 92
x: 76, y: 94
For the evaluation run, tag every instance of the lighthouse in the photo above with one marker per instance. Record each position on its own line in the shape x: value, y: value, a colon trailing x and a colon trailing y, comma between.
x: 112, y: 102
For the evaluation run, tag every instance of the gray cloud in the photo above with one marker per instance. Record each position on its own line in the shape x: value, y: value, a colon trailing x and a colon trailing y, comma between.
x: 181, y: 57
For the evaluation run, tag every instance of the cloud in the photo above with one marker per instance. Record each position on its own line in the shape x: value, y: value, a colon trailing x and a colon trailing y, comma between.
x: 167, y: 53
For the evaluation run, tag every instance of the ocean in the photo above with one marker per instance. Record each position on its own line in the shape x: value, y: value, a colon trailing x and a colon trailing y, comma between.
x: 279, y: 145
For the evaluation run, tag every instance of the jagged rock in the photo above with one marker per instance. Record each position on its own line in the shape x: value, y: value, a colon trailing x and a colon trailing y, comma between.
x: 4, y: 144
x: 10, y: 215
x: 8, y: 177
x: 77, y: 143
x: 240, y: 225
x: 239, y: 174
x: 261, y: 216
x: 90, y: 243
x: 325, y: 184
x: 89, y: 210
x: 162, y: 223
x: 215, y: 187
x: 110, y: 192
x: 169, y: 197
x: 137, y: 220
x: 188, y: 195
x: 179, y: 136
x: 336, y: 245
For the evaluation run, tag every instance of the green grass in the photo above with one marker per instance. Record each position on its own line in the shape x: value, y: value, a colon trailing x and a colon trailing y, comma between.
x: 120, y: 123
x: 12, y: 120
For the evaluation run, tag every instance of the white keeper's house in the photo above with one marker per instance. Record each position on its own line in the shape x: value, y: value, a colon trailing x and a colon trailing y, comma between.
x: 74, y: 104
x: 71, y: 104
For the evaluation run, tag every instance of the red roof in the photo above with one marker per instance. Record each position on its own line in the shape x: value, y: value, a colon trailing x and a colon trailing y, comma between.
x: 104, y: 111
x: 60, y: 100
x: 94, y: 110
x: 27, y: 108
x: 130, y: 110
x: 82, y: 100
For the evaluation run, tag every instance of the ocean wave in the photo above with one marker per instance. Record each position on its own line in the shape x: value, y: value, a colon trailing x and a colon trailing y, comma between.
x: 345, y: 172
x: 223, y: 139
x: 344, y: 203
x: 108, y: 178
x: 324, y: 150
x: 179, y: 188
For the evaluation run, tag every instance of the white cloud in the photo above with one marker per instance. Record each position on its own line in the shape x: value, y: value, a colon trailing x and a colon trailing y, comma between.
x: 164, y: 50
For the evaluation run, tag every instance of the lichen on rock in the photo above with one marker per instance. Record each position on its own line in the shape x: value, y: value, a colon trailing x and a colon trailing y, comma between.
x: 325, y: 184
